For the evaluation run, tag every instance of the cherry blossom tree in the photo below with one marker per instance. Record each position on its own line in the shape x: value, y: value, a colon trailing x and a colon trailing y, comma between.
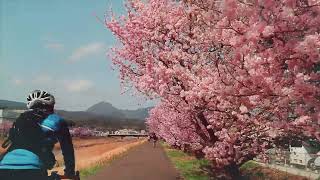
x: 236, y: 72
x: 174, y: 127
x: 81, y: 132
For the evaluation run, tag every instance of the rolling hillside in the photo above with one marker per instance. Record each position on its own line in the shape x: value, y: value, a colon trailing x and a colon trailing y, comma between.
x: 106, y: 109
x: 102, y: 115
x: 5, y: 104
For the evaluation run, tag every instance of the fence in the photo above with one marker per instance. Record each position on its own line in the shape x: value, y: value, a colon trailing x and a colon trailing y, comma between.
x: 298, y: 160
x: 294, y: 158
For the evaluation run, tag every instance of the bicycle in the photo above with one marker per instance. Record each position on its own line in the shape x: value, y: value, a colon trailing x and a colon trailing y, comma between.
x: 154, y: 142
x: 55, y: 176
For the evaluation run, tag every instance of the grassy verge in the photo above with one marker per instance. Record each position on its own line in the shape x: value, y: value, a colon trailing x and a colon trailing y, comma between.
x: 188, y: 166
x: 251, y: 170
x: 90, y: 171
x: 84, y: 173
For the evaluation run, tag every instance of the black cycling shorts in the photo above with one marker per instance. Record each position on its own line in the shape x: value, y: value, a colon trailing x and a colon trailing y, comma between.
x: 20, y: 174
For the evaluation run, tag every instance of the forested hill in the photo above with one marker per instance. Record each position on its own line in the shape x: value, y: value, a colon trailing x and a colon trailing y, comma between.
x: 108, y: 110
x: 102, y: 115
x: 5, y: 104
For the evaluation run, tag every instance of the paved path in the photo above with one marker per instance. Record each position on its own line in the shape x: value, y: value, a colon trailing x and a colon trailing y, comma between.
x: 141, y: 163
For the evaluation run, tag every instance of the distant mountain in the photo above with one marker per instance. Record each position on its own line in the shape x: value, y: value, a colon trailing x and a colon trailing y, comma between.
x: 140, y: 113
x: 106, y: 109
x: 102, y: 115
x: 5, y: 104
x: 82, y: 118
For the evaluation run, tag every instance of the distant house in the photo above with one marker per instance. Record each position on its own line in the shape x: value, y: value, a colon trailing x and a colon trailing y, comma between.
x: 301, y: 154
x: 100, y: 133
x: 126, y: 131
x: 122, y: 131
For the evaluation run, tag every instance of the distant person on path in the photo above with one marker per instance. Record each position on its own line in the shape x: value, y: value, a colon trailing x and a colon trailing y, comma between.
x: 153, y: 138
x: 31, y: 141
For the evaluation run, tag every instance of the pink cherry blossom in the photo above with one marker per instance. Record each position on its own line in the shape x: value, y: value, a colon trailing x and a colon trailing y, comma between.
x: 229, y: 75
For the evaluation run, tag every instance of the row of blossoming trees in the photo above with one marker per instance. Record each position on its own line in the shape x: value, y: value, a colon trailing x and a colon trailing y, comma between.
x: 82, y: 132
x: 231, y: 75
x: 74, y: 131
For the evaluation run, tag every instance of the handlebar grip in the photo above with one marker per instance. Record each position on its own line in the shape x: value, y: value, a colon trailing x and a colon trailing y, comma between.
x: 77, y: 175
x: 55, y: 175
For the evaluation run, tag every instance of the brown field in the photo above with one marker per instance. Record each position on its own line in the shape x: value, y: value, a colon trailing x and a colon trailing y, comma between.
x: 92, y: 151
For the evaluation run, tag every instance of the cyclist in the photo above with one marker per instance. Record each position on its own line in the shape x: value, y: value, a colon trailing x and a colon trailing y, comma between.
x: 153, y: 138
x: 31, y: 141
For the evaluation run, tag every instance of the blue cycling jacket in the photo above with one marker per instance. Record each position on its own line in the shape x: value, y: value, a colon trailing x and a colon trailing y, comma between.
x: 57, y: 131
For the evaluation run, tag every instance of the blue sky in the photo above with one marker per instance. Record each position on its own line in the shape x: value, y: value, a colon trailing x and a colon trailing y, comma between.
x: 61, y: 47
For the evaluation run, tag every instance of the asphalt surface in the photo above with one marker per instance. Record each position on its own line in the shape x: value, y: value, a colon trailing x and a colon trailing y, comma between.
x: 141, y: 163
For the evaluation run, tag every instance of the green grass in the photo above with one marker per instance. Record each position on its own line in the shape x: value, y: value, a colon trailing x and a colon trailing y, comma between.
x: 252, y: 169
x: 90, y: 171
x: 175, y: 154
x: 249, y: 165
x: 188, y: 166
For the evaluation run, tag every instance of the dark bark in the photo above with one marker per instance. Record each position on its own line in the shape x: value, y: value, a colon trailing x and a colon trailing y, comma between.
x: 230, y: 172
x: 199, y: 154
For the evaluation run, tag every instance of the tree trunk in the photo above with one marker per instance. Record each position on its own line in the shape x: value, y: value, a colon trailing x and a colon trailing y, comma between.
x: 233, y: 171
x: 230, y: 172
x: 199, y: 154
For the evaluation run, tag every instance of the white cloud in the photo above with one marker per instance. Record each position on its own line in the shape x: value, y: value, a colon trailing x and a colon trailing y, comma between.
x: 42, y: 79
x: 87, y: 50
x: 54, y: 45
x: 70, y: 85
x: 18, y: 82
x: 78, y: 85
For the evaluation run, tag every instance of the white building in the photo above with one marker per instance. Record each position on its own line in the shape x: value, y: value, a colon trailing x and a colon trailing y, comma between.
x: 101, y: 133
x: 122, y: 131
x: 301, y: 155
x: 126, y: 131
x: 10, y: 114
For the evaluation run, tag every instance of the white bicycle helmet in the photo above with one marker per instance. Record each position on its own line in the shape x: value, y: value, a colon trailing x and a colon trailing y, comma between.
x: 38, y: 98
